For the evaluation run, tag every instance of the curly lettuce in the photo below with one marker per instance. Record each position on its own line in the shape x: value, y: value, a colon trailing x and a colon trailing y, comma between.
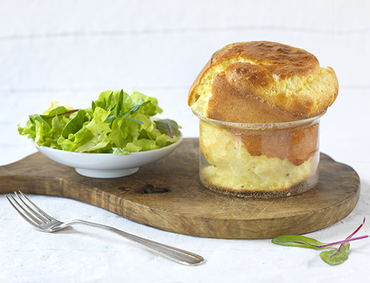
x: 115, y: 123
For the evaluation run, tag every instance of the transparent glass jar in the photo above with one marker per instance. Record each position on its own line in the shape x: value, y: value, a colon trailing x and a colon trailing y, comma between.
x: 263, y: 160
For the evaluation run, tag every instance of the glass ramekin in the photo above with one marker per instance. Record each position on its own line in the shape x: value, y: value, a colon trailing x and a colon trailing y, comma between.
x: 264, y: 160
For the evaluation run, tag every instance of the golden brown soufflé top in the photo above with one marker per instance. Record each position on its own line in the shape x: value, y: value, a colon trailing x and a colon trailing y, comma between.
x: 279, y: 59
x: 260, y: 81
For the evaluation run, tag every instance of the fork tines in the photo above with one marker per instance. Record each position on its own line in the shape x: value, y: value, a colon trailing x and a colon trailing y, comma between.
x: 28, y: 210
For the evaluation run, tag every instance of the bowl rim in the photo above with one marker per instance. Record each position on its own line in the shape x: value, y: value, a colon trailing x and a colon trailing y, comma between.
x: 180, y: 136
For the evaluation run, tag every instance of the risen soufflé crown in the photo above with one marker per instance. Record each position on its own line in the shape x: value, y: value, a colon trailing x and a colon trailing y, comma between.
x: 262, y: 82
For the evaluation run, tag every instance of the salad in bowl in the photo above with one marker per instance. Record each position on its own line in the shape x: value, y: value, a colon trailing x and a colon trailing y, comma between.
x: 116, y: 129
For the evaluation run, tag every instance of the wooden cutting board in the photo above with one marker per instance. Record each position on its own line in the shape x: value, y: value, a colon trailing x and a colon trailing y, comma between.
x: 169, y: 195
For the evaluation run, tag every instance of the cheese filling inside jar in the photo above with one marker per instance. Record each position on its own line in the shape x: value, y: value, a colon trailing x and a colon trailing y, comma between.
x: 263, y: 160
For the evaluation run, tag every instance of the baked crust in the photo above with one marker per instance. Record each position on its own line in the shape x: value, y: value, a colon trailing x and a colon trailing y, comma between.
x: 262, y: 82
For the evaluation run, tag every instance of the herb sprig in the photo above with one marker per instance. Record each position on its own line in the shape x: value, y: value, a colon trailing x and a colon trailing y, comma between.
x: 332, y: 257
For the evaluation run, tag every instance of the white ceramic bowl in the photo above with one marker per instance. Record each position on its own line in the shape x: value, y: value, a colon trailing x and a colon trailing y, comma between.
x: 105, y: 165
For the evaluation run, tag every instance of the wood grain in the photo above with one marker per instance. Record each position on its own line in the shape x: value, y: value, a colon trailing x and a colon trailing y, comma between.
x: 168, y: 195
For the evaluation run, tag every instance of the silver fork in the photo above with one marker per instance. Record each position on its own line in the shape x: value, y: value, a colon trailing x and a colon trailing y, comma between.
x: 44, y: 222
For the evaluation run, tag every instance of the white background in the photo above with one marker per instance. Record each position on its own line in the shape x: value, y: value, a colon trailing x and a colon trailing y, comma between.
x: 70, y: 51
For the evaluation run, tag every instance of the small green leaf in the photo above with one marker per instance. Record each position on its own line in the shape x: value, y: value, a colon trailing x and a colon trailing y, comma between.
x: 120, y: 103
x: 110, y: 118
x: 120, y: 151
x: 337, y: 256
x: 57, y: 111
x: 74, y: 124
x: 131, y: 147
x: 131, y: 110
x: 93, y: 106
x: 135, y: 120
x: 109, y: 101
x: 298, y: 241
x: 167, y: 126
x: 135, y: 108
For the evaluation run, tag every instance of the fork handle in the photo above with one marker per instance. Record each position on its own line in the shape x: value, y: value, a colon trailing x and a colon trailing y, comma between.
x: 175, y: 254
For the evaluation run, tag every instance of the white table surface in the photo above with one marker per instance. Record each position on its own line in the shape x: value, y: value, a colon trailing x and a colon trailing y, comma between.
x: 158, y: 47
x: 84, y: 254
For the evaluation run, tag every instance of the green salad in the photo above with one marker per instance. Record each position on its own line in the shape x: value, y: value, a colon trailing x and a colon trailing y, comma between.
x: 115, y: 123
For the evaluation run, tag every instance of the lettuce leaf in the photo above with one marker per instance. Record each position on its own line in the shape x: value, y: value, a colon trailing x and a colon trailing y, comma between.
x: 115, y: 123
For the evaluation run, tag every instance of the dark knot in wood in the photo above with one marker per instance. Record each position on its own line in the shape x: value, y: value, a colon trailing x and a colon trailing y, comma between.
x: 150, y: 189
